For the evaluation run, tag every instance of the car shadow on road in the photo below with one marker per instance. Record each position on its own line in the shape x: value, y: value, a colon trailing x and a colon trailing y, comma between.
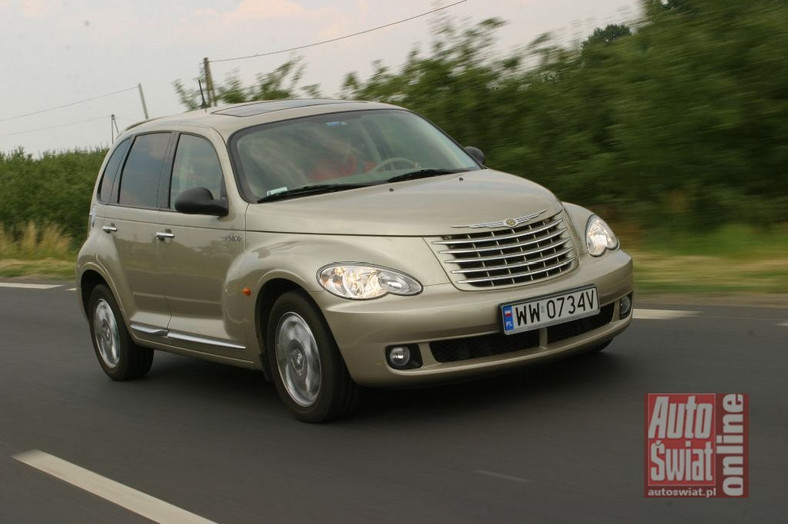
x: 561, y: 380
x: 205, y: 381
x: 557, y: 380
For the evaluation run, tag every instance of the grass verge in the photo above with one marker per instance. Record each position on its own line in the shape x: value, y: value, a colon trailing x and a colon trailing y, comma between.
x: 734, y: 260
x: 660, y: 273
x: 35, y: 242
x: 37, y: 269
x: 655, y: 273
x: 35, y: 251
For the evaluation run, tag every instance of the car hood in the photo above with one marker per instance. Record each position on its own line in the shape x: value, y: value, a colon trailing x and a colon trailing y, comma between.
x: 425, y: 207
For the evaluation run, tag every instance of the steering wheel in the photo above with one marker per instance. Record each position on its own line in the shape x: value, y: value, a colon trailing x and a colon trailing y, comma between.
x: 389, y: 162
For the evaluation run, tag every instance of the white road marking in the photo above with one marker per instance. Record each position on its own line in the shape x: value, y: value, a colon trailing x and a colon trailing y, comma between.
x: 124, y: 496
x: 501, y: 476
x: 663, y: 314
x: 784, y: 324
x: 72, y: 289
x: 29, y: 286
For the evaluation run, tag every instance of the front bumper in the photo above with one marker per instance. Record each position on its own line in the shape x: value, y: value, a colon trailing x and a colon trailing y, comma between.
x: 364, y: 329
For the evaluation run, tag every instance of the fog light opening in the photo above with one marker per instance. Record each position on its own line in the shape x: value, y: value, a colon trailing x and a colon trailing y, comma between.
x: 399, y: 357
x: 625, y: 306
x: 403, y: 356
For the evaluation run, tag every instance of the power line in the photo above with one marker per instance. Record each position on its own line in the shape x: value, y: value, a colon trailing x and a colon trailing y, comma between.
x: 66, y: 105
x: 340, y: 37
x: 130, y: 120
x: 55, y: 127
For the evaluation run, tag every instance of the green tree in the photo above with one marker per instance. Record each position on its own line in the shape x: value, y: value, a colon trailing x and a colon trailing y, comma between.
x: 280, y: 83
x: 680, y: 122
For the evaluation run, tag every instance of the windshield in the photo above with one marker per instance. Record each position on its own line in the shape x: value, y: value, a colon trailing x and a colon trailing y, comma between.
x: 356, y: 149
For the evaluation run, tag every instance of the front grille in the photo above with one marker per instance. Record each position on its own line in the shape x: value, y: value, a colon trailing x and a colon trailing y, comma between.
x: 459, y: 349
x: 511, y: 256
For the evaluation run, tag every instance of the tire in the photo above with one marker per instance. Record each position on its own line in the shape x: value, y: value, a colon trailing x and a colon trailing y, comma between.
x: 119, y: 356
x: 308, y: 370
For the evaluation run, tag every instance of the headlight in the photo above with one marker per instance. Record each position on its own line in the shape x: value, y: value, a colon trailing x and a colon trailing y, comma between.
x: 363, y: 282
x: 599, y: 236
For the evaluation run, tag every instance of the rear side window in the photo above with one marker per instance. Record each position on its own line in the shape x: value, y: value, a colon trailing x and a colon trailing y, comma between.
x: 111, y: 171
x: 139, y: 182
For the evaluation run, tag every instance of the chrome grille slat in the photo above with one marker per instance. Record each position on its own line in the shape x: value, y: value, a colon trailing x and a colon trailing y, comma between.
x: 516, y: 275
x: 494, y: 237
x: 500, y: 246
x: 508, y: 256
x: 527, y: 263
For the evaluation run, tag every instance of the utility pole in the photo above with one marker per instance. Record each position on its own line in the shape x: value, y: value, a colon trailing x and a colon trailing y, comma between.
x: 206, y: 65
x: 113, y: 127
x: 142, y: 97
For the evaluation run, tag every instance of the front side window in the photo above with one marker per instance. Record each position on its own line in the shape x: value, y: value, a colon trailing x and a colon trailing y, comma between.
x: 196, y: 165
x: 139, y: 181
x: 343, y: 149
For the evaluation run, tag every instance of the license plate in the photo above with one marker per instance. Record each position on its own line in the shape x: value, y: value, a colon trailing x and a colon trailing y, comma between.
x: 546, y: 311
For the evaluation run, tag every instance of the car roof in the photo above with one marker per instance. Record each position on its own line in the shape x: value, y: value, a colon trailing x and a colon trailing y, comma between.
x: 230, y: 118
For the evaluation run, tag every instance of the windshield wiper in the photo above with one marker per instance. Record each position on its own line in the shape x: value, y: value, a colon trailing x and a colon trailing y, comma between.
x: 423, y: 173
x: 314, y: 189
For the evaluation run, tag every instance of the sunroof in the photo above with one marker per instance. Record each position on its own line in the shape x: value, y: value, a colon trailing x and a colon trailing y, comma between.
x: 278, y: 105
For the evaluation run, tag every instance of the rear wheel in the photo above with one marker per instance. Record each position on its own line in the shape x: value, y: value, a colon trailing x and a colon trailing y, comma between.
x: 119, y: 356
x: 307, y: 368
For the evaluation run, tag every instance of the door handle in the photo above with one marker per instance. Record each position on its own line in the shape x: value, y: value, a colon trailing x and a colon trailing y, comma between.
x: 164, y: 235
x: 109, y: 229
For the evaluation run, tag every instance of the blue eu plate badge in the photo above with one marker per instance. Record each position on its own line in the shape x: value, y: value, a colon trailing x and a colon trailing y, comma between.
x: 508, y: 318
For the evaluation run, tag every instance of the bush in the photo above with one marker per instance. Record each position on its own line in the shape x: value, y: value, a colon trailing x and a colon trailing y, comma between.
x: 51, y: 191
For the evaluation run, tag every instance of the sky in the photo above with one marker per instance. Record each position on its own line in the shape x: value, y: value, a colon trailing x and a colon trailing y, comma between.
x: 68, y: 65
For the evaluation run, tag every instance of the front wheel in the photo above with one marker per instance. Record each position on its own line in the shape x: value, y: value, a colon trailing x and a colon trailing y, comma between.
x: 119, y: 356
x: 308, y: 370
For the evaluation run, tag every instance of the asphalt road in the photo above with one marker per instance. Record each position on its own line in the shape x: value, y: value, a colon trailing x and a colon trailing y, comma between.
x: 561, y: 442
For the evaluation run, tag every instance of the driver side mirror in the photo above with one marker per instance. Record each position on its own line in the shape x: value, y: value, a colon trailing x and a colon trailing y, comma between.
x: 200, y: 201
x: 476, y: 153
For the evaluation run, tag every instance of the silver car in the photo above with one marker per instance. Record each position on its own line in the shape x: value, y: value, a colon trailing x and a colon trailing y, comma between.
x: 333, y: 244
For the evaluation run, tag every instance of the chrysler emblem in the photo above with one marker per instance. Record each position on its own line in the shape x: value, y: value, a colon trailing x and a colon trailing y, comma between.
x: 508, y: 222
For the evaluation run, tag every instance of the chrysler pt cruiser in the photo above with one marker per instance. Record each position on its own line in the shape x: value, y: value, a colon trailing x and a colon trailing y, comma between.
x: 335, y: 244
